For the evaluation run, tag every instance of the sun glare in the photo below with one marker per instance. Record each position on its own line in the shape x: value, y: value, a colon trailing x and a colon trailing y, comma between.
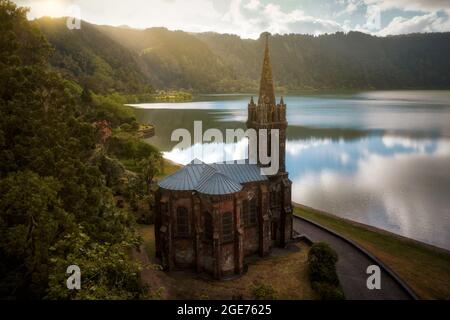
x: 52, y: 8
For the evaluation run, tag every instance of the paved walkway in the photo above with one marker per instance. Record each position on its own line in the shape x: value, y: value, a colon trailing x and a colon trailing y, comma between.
x: 352, y: 266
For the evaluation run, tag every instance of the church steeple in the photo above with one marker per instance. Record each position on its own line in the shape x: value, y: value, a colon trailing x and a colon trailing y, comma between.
x: 266, y: 87
x: 267, y: 114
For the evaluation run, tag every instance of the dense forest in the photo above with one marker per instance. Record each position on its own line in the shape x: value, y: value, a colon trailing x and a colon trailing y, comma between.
x: 131, y: 60
x: 66, y: 154
x: 70, y: 149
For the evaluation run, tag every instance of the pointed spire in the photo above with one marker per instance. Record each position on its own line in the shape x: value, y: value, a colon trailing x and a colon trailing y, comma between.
x: 266, y: 87
x: 281, y: 100
x: 251, y: 100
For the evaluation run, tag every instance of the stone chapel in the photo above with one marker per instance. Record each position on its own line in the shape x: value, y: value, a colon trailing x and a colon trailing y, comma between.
x: 211, y: 217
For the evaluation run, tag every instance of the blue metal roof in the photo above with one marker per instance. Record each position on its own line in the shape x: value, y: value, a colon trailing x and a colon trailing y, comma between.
x: 215, y: 178
x: 241, y: 173
x: 218, y: 183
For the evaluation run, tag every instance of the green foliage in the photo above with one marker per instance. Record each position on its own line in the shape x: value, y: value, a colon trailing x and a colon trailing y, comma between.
x: 134, y: 191
x: 56, y: 208
x: 352, y: 60
x: 328, y: 291
x: 150, y: 168
x: 114, y: 278
x: 264, y: 292
x: 211, y: 62
x: 124, y: 145
x: 111, y: 108
x: 322, y: 272
x: 173, y: 59
x: 31, y: 220
x: 172, y: 96
x: 111, y: 168
x: 93, y: 59
x: 322, y: 264
x: 159, y: 96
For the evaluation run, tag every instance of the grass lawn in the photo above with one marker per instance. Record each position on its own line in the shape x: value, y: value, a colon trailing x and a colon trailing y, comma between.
x: 291, y: 280
x: 425, y: 268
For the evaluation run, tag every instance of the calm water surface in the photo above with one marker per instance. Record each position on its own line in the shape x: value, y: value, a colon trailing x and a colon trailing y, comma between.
x: 380, y: 158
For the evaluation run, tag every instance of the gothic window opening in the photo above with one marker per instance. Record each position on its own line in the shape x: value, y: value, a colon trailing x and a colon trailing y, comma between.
x: 227, y: 227
x: 250, y: 212
x: 208, y: 227
x: 274, y: 231
x: 182, y: 222
x: 275, y: 199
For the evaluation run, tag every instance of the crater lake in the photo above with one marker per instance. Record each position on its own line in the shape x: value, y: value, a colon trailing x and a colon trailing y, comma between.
x: 379, y: 157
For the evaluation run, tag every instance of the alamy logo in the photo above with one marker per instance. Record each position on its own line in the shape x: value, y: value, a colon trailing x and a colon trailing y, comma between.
x: 73, y: 17
x: 374, y: 280
x: 373, y: 16
x: 74, y: 279
x: 258, y: 144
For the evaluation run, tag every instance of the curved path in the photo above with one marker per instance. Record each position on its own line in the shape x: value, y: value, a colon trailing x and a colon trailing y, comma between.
x: 352, y: 265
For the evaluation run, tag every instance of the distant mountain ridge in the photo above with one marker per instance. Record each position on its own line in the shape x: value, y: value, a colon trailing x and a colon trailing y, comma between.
x: 130, y: 60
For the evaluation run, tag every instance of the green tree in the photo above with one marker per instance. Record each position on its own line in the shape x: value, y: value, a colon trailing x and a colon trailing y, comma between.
x: 114, y: 277
x: 53, y: 191
x: 150, y: 167
x: 32, y: 219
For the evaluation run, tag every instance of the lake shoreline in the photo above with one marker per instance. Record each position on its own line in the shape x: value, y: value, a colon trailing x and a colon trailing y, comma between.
x: 424, y: 267
x: 306, y: 93
x: 379, y: 158
x: 371, y: 228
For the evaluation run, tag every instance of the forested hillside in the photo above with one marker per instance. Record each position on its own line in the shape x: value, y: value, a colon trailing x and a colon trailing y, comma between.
x: 126, y: 59
x: 174, y: 59
x: 93, y: 59
x: 352, y: 60
x: 60, y: 171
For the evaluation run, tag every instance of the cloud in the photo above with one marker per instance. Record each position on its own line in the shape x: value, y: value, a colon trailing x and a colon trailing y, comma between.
x: 272, y: 18
x: 411, y: 5
x: 253, y: 5
x: 430, y: 22
x: 351, y: 6
x: 249, y: 18
x: 419, y: 145
x: 295, y: 147
x: 402, y: 193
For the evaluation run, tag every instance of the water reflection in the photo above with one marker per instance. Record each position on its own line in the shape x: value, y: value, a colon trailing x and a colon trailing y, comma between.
x: 378, y: 158
x: 400, y: 188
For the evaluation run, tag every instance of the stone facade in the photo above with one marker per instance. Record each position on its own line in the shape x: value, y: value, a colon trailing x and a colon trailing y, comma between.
x: 214, y: 232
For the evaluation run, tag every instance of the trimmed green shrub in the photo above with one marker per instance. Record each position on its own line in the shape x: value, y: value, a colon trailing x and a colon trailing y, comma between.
x: 322, y: 272
x: 322, y: 264
x: 327, y: 291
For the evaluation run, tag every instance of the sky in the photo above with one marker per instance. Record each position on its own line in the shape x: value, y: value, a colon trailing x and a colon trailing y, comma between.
x: 249, y: 18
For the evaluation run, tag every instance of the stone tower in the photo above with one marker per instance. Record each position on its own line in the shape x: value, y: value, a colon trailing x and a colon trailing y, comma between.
x: 268, y: 114
x: 212, y: 217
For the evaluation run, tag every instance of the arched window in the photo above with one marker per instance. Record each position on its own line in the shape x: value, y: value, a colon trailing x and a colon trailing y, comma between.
x: 250, y: 212
x: 227, y: 227
x: 208, y: 227
x: 275, y: 199
x: 182, y: 222
x: 253, y: 211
